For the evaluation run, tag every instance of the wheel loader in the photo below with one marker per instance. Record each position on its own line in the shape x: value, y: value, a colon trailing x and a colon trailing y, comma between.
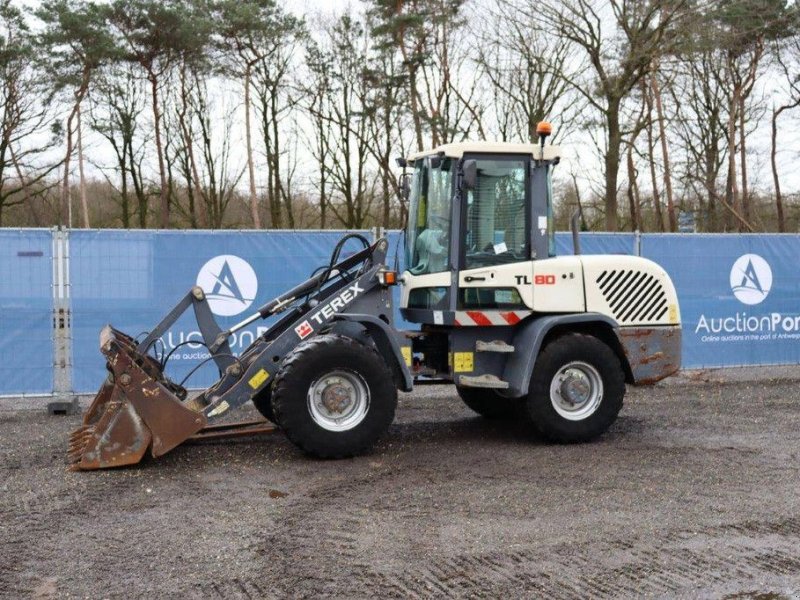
x: 521, y: 332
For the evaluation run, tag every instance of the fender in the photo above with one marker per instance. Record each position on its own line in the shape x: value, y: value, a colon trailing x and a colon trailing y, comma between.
x: 528, y: 341
x: 384, y: 337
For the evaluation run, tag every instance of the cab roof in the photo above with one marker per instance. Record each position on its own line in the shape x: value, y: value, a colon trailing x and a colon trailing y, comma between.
x: 458, y: 150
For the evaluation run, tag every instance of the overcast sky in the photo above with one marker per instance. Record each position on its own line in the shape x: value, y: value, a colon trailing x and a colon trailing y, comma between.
x: 579, y: 154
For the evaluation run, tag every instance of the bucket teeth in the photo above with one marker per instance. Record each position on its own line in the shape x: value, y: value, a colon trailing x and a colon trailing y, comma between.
x: 79, y: 432
x: 78, y: 441
x: 80, y: 435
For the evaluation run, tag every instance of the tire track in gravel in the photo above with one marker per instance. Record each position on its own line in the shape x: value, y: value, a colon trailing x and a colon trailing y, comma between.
x: 685, y: 562
x: 313, y: 558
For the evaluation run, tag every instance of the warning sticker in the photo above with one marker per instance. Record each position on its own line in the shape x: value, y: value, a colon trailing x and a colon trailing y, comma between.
x: 406, y: 351
x: 463, y: 362
x: 257, y: 379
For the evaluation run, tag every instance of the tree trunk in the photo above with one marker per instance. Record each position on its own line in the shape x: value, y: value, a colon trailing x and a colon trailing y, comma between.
x: 37, y: 221
x: 249, y: 142
x: 652, y: 160
x: 743, y: 160
x: 612, y: 162
x: 415, y: 115
x: 732, y: 190
x: 82, y: 174
x: 281, y: 194
x: 633, y: 192
x: 196, y: 189
x: 662, y: 130
x: 773, y: 156
x: 162, y: 172
x: 65, y: 211
x: 711, y: 189
x: 126, y: 209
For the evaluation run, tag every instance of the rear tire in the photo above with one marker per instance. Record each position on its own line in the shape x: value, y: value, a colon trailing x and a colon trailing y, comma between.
x: 334, y: 397
x: 576, y: 389
x: 489, y: 404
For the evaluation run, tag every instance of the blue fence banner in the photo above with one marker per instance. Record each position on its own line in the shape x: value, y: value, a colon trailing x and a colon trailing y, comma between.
x: 739, y: 296
x: 597, y: 243
x: 26, y: 311
x: 131, y: 279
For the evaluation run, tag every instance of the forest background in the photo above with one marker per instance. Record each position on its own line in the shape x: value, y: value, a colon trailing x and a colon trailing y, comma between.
x: 673, y: 114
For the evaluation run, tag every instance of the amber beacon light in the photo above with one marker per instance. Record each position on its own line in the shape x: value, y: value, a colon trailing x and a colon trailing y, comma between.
x: 543, y: 129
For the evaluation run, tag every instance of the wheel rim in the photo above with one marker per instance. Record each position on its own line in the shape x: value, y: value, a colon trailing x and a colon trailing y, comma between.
x: 338, y: 400
x: 576, y: 391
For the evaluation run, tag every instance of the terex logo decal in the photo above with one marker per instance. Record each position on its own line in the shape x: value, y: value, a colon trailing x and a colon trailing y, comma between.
x: 337, y: 304
x: 751, y: 279
x: 304, y: 330
x: 230, y: 284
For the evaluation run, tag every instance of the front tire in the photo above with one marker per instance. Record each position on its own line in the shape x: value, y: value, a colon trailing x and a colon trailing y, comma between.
x: 263, y: 403
x: 576, y: 390
x: 489, y: 404
x: 334, y: 397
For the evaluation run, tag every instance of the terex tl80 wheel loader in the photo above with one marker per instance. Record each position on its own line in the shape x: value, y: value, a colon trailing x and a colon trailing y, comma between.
x: 518, y: 330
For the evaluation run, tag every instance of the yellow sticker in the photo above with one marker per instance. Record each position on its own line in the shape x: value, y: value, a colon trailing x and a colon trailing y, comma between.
x: 673, y: 313
x: 257, y: 379
x: 463, y: 362
x: 406, y: 351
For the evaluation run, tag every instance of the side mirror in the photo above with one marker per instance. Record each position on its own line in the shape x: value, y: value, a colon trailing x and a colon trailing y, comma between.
x: 470, y: 174
x: 404, y: 184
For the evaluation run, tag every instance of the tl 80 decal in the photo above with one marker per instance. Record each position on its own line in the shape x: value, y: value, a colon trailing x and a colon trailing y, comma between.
x: 537, y: 280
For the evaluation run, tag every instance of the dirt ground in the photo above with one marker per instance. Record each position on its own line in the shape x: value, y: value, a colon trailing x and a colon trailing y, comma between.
x: 693, y: 493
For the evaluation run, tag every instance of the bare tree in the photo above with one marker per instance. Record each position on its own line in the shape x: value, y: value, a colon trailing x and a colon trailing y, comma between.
x: 25, y: 113
x: 78, y: 42
x: 153, y: 34
x: 424, y: 33
x: 118, y: 102
x: 275, y: 101
x: 620, y: 59
x: 252, y: 32
x: 319, y: 95
x: 524, y: 67
x: 788, y: 59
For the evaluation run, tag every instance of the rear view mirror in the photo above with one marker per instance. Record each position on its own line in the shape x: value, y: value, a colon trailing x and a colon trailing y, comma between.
x: 470, y: 174
x: 404, y: 185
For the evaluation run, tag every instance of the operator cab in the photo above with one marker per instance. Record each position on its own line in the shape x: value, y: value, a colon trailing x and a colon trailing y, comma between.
x: 477, y: 211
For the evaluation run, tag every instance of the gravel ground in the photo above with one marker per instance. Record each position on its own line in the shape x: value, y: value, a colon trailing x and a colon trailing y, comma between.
x: 692, y: 493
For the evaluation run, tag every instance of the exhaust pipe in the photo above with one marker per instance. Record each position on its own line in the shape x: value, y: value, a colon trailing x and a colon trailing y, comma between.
x: 573, y: 222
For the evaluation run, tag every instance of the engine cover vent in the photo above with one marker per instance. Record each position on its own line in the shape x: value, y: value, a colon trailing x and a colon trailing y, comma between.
x: 633, y: 296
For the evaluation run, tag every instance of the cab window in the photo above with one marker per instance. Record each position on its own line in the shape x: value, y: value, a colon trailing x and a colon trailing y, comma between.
x: 496, y: 231
x: 428, y: 242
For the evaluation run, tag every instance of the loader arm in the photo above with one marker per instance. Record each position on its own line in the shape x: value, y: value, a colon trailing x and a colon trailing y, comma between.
x: 140, y: 408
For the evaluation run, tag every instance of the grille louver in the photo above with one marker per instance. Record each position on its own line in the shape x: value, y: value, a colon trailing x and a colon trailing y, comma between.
x: 633, y: 296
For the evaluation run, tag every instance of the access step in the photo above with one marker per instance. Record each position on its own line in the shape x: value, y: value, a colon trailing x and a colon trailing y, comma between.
x: 495, y: 346
x: 483, y: 381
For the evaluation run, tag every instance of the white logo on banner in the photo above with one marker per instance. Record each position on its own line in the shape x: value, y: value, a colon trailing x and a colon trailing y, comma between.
x: 751, y: 279
x: 230, y: 284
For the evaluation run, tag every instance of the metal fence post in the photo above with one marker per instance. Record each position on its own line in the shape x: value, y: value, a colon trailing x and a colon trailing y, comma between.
x: 637, y: 243
x: 65, y: 401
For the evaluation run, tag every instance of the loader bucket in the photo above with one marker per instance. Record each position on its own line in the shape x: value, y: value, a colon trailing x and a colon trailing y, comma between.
x: 136, y: 409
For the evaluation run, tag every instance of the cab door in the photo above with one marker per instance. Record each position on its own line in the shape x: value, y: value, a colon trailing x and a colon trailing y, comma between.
x: 495, y: 259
